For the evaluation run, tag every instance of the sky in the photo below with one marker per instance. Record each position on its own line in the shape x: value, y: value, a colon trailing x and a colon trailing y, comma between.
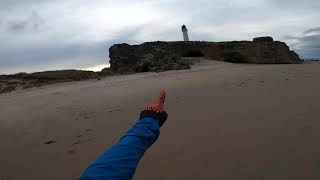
x: 39, y: 35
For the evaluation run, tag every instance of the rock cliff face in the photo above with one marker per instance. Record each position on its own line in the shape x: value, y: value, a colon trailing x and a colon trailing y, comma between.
x: 154, y: 56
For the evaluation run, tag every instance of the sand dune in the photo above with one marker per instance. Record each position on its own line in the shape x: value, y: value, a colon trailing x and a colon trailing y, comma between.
x: 226, y: 121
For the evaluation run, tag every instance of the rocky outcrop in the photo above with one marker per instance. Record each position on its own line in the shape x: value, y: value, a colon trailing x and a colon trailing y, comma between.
x: 263, y: 39
x: 154, y: 56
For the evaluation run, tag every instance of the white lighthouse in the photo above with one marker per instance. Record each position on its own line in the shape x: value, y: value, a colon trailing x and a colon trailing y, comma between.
x: 185, y: 33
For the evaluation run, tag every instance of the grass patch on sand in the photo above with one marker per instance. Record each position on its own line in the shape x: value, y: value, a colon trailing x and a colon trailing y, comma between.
x: 17, y: 81
x: 75, y: 75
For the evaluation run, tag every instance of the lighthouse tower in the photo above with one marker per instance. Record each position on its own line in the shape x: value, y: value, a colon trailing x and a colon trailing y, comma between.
x: 185, y: 33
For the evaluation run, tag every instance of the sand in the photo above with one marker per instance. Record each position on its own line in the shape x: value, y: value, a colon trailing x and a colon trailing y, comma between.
x: 226, y: 121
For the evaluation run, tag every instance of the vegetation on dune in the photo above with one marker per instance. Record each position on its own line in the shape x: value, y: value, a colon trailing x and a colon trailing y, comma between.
x: 75, y: 75
x: 13, y: 82
x: 7, y: 89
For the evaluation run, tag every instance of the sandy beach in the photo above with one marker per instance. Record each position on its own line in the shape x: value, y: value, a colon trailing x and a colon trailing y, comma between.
x: 226, y: 122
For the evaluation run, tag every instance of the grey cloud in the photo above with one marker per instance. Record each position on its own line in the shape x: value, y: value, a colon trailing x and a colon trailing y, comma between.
x: 50, y: 52
x: 61, y: 56
x: 30, y: 23
x: 311, y: 41
x: 313, y: 30
x: 308, y: 46
x: 17, y: 26
x: 11, y: 4
x: 310, y: 4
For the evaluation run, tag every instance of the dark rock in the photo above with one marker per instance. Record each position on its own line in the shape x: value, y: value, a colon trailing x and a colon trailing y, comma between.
x: 123, y: 58
x: 159, y: 56
x: 158, y: 60
x: 234, y: 57
x: 105, y: 72
x: 263, y: 39
x: 193, y: 53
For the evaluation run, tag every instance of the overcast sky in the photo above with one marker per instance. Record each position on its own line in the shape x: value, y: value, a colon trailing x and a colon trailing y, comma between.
x: 37, y: 35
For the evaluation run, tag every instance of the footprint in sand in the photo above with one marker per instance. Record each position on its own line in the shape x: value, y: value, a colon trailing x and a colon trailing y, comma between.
x: 78, y: 112
x: 244, y: 82
x: 79, y: 140
x: 50, y: 142
x: 85, y: 133
x: 89, y: 130
x: 58, y: 93
x: 116, y: 110
x: 84, y: 115
x: 71, y: 151
x: 241, y: 84
x: 64, y: 109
